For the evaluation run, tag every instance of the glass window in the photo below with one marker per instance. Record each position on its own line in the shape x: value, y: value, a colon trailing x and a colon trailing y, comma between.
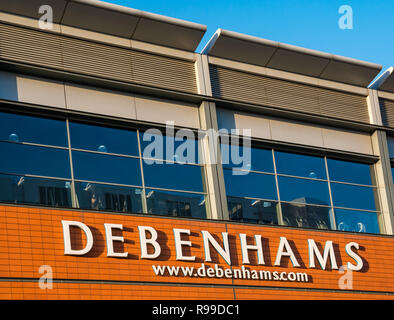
x: 303, y: 190
x: 22, y: 128
x: 22, y: 189
x: 250, y: 210
x: 179, y: 204
x: 351, y: 196
x: 305, y: 216
x: 300, y: 165
x: 106, y: 168
x: 106, y: 197
x: 182, y: 149
x: 34, y: 160
x: 356, y: 221
x: 352, y: 172
x: 250, y: 184
x: 103, y: 139
x: 174, y: 176
x: 255, y: 159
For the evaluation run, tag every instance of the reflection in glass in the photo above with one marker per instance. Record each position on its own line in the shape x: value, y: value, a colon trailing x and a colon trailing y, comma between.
x: 23, y: 128
x: 106, y: 168
x: 22, y: 189
x: 300, y: 165
x: 255, y: 211
x: 251, y: 184
x: 107, y: 197
x: 34, y: 160
x: 356, y: 221
x: 305, y: 216
x: 178, y: 204
x: 303, y: 191
x: 346, y: 171
x: 182, y: 149
x: 173, y: 176
x: 235, y: 156
x: 103, y: 139
x: 351, y: 196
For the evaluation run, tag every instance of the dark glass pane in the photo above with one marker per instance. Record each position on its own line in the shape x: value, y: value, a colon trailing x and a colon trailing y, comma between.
x: 106, y: 168
x: 21, y: 189
x: 301, y: 215
x: 350, y: 196
x: 246, y: 158
x: 25, y: 159
x: 173, y: 176
x: 347, y: 171
x: 180, y: 149
x: 300, y: 165
x: 103, y: 139
x: 21, y: 128
x: 303, y: 191
x: 177, y: 204
x: 357, y: 221
x: 255, y: 211
x: 106, y: 197
x: 251, y: 184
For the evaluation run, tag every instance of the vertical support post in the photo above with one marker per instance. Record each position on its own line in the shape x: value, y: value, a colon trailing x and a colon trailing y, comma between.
x: 384, y: 182
x: 210, y: 145
x: 382, y: 168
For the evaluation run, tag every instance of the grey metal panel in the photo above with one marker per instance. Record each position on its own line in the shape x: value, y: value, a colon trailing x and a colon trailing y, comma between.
x: 290, y: 58
x: 30, y: 8
x: 30, y: 46
x: 115, y: 20
x: 292, y: 61
x: 96, y: 59
x: 167, y: 34
x: 385, y: 82
x: 246, y: 87
x: 99, y: 19
x: 349, y: 73
x: 388, y: 85
x: 256, y: 53
x: 387, y: 112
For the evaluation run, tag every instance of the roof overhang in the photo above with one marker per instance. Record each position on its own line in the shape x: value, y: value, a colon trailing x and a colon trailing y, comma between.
x: 385, y: 82
x: 271, y: 54
x: 114, y: 20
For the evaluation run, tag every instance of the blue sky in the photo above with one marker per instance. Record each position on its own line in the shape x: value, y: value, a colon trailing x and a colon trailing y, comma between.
x: 311, y: 24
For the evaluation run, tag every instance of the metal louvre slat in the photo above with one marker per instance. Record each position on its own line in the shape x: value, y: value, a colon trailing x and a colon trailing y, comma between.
x: 294, y: 96
x: 237, y: 85
x: 387, y: 112
x: 96, y: 59
x: 343, y: 105
x: 164, y: 71
x: 247, y: 87
x: 34, y: 47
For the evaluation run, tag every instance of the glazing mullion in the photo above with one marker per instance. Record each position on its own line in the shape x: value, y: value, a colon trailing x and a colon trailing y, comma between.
x: 74, y: 199
x: 280, y: 216
x: 332, y: 213
x: 143, y: 200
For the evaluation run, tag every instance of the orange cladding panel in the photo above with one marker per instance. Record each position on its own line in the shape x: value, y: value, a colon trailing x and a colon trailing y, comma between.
x: 32, y: 237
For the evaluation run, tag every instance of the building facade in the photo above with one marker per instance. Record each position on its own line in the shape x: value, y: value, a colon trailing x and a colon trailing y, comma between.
x: 135, y: 168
